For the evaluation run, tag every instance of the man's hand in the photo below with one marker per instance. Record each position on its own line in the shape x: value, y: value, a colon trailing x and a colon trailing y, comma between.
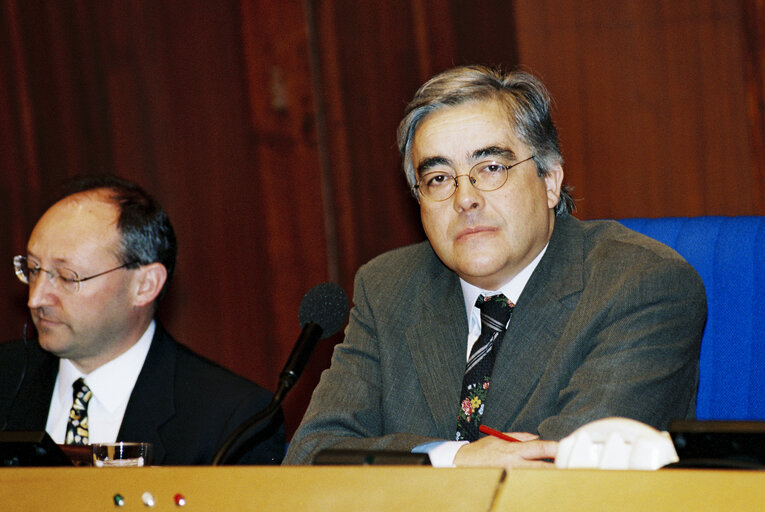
x: 491, y: 451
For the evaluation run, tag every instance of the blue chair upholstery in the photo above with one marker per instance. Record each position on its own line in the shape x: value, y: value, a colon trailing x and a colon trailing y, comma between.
x: 729, y: 255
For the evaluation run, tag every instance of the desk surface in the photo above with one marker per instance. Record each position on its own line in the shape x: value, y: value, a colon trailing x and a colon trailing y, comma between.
x: 670, y: 490
x: 250, y: 488
x: 378, y: 488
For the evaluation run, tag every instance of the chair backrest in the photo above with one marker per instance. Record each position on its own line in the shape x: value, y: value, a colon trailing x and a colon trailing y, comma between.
x: 729, y: 255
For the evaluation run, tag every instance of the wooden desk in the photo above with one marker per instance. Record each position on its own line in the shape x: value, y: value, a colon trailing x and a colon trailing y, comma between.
x: 240, y: 489
x: 234, y: 489
x: 672, y: 490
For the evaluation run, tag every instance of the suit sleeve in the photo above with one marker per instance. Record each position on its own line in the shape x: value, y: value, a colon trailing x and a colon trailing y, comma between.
x: 346, y: 407
x: 637, y: 357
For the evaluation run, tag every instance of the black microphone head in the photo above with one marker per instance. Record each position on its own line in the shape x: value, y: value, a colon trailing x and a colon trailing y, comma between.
x: 326, y: 305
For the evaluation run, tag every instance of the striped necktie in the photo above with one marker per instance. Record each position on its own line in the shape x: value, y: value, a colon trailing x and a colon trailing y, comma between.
x: 495, y: 315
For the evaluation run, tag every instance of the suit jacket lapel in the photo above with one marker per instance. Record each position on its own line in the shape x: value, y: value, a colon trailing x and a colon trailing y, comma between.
x: 151, y: 403
x: 537, y: 323
x: 437, y: 343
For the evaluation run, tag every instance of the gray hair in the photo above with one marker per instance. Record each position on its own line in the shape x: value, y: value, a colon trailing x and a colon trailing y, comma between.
x: 524, y: 96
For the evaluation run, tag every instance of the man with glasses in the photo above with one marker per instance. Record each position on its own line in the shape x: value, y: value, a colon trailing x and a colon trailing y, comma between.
x: 513, y: 314
x: 102, y: 368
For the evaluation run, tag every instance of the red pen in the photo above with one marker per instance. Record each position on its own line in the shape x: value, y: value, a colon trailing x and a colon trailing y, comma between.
x: 497, y: 433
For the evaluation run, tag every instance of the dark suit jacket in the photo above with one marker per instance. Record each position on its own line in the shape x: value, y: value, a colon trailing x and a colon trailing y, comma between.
x: 183, y: 403
x: 609, y: 324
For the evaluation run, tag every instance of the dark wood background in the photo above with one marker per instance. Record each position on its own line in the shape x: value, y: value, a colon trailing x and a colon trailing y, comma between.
x: 267, y: 130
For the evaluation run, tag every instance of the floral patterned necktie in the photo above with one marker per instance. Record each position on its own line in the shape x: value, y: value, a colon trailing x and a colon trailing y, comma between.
x: 77, y: 428
x: 495, y: 314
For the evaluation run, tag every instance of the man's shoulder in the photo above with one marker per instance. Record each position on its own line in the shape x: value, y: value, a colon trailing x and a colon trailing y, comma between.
x: 197, y: 370
x: 11, y: 362
x: 17, y: 353
x: 404, y: 261
x: 615, y: 239
x: 605, y: 252
x: 613, y: 253
x: 419, y: 252
x: 398, y: 283
x: 10, y: 348
x: 609, y: 239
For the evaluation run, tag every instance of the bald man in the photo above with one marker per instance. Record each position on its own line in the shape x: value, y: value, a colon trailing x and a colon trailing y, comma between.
x: 97, y: 263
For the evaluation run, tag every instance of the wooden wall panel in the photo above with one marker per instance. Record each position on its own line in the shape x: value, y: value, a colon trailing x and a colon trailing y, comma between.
x: 16, y: 153
x: 651, y: 101
x: 367, y: 65
x: 208, y: 105
x: 287, y: 207
x: 371, y: 60
x: 754, y: 35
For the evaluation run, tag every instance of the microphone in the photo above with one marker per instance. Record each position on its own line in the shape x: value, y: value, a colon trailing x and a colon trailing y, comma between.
x: 323, y: 312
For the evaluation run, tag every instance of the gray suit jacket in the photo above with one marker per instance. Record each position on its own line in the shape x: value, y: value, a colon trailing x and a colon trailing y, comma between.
x: 609, y: 324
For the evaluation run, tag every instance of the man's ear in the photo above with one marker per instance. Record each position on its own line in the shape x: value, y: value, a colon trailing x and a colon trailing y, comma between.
x: 553, y: 183
x: 151, y: 279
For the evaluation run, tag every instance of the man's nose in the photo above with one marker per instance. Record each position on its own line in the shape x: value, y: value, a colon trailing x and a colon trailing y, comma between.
x: 466, y: 196
x: 41, y: 291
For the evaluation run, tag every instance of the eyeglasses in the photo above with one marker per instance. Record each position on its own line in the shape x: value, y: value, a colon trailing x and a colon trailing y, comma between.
x: 62, y: 278
x: 439, y: 185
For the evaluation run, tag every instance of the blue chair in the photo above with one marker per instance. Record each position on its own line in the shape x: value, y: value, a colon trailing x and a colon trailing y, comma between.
x: 729, y: 255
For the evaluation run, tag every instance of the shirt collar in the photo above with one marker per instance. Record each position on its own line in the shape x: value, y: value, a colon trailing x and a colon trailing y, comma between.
x: 113, y: 382
x: 512, y: 289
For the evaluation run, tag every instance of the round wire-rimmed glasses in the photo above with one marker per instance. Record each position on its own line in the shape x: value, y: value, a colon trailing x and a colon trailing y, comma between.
x: 62, y: 278
x: 486, y: 176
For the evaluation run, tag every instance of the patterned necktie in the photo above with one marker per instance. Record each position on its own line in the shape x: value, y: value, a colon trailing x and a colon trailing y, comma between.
x: 77, y: 428
x: 495, y: 314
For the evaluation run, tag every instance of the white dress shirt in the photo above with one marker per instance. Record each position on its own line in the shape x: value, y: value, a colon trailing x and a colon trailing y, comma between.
x: 511, y: 290
x: 442, y: 454
x: 111, y: 384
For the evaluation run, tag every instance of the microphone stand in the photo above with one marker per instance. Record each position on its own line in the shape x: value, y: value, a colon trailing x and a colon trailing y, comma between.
x: 243, y: 429
x: 290, y: 374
